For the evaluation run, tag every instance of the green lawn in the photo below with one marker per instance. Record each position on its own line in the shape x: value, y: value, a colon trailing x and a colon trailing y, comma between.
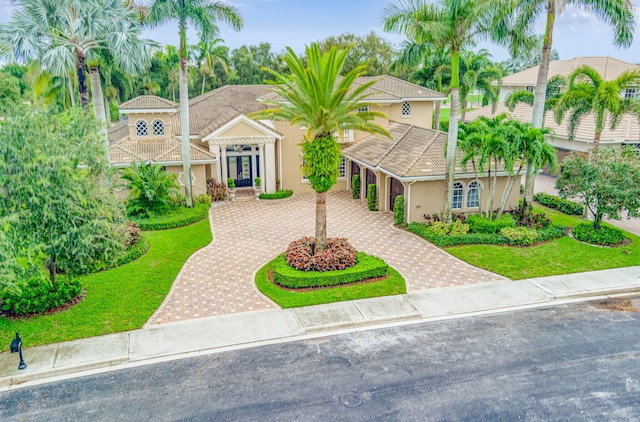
x: 561, y: 256
x: 120, y: 299
x: 393, y: 285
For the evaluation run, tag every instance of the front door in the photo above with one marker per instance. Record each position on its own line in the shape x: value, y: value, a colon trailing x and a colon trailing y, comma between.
x: 240, y: 170
x: 397, y: 188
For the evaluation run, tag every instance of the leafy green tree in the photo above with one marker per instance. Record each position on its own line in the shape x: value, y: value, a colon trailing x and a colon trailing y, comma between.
x: 49, y: 167
x: 151, y: 189
x: 247, y: 64
x: 203, y: 15
x: 605, y: 180
x: 451, y: 25
x: 617, y: 14
x: 371, y: 49
x: 588, y: 92
x: 555, y: 87
x: 211, y: 53
x: 315, y: 96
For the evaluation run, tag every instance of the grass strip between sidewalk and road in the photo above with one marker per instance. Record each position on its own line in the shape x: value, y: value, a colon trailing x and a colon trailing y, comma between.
x: 561, y: 256
x: 119, y: 299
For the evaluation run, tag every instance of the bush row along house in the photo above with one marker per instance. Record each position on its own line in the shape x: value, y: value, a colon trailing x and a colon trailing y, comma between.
x: 225, y: 143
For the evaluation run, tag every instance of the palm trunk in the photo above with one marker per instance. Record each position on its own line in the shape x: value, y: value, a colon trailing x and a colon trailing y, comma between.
x: 436, y: 116
x: 488, y: 200
x: 203, y: 79
x: 321, y: 221
x: 539, y: 98
x: 82, y: 81
x: 98, y: 107
x: 463, y: 114
x: 596, y: 140
x: 72, y: 96
x: 506, y: 193
x: 184, y: 115
x: 452, y: 140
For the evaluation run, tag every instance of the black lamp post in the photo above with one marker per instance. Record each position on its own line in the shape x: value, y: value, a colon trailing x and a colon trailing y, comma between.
x: 16, y: 347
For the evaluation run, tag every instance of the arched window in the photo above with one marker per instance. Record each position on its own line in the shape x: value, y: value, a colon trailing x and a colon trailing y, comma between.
x: 142, y: 128
x: 458, y: 194
x: 473, y: 195
x: 158, y: 127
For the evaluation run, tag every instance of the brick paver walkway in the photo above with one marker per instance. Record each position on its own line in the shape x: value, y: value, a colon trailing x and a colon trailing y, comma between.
x: 218, y: 279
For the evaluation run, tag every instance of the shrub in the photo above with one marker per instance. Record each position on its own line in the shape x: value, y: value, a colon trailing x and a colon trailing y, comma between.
x: 257, y: 182
x: 231, y: 183
x: 217, y: 190
x: 177, y: 218
x: 279, y: 194
x: 602, y: 235
x: 439, y: 227
x: 521, y: 236
x: 37, y: 295
x: 372, y: 197
x: 131, y: 234
x: 533, y: 221
x: 355, y: 186
x: 366, y: 267
x: 150, y: 188
x: 443, y: 240
x: 563, y: 205
x: 398, y: 210
x: 480, y: 224
x: 550, y: 232
x: 444, y: 125
x: 458, y: 228
x: 338, y: 255
x: 202, y: 199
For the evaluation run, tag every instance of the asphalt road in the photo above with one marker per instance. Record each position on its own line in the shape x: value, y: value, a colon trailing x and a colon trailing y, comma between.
x: 572, y: 362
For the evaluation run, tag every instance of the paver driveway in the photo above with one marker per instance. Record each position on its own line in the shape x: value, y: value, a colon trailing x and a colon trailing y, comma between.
x: 218, y: 279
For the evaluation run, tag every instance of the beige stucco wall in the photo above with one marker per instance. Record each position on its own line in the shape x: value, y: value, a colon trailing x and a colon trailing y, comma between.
x: 428, y: 198
x: 149, y: 118
x: 200, y: 174
x: 241, y: 129
x: 421, y: 113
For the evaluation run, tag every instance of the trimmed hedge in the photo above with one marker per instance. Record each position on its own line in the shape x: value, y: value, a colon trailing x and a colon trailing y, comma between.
x: 372, y: 197
x: 176, y: 218
x: 480, y: 224
x: 279, y: 194
x: 608, y: 236
x: 398, y: 210
x: 37, y: 295
x: 355, y: 186
x: 366, y: 267
x: 563, y: 205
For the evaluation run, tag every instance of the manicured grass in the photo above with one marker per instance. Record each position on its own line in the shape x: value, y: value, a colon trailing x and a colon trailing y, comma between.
x: 393, y: 285
x: 561, y: 256
x: 178, y: 217
x: 119, y: 299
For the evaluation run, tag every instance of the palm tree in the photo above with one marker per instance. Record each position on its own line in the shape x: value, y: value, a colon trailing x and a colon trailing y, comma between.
x: 315, y: 96
x: 555, y: 87
x: 588, y: 93
x: 203, y: 15
x: 530, y: 57
x: 478, y: 73
x: 618, y: 14
x: 210, y: 53
x: 450, y: 24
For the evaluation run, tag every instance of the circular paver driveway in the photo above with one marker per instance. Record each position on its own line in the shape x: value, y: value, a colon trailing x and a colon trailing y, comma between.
x: 217, y: 279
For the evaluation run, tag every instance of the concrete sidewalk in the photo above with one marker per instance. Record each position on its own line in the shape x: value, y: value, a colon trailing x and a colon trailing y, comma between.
x: 210, y: 335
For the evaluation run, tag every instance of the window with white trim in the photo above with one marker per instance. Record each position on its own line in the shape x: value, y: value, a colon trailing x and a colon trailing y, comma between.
x: 458, y: 195
x: 406, y: 109
x: 473, y: 195
x: 158, y: 127
x: 142, y: 128
x: 631, y: 93
x: 342, y: 167
x: 363, y: 109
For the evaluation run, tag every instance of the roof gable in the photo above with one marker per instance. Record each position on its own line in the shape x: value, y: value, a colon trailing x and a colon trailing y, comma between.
x: 148, y: 102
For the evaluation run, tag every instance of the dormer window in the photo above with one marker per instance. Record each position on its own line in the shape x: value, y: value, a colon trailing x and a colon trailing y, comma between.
x: 406, y: 109
x: 142, y: 128
x: 158, y: 127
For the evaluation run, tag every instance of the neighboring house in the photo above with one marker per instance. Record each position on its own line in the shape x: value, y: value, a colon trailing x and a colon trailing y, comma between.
x: 626, y: 133
x: 225, y: 143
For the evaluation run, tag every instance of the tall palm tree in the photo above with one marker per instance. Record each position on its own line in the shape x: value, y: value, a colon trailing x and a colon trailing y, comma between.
x: 210, y: 53
x: 555, y: 87
x: 450, y: 24
x: 478, y: 73
x: 617, y: 14
x: 589, y: 93
x: 203, y: 15
x: 315, y: 96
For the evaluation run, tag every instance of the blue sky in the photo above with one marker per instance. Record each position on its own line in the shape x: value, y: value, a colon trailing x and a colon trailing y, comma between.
x: 295, y: 23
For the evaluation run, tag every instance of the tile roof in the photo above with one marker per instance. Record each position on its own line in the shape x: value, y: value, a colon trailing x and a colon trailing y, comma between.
x: 608, y: 67
x: 118, y: 131
x: 413, y: 152
x: 628, y: 130
x: 150, y: 102
x: 169, y: 150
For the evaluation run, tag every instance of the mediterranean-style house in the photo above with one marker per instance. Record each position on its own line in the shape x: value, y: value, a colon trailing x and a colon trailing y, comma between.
x: 627, y: 131
x: 225, y: 143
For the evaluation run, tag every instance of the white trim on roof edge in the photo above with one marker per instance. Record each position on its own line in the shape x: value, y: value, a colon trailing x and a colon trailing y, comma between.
x: 147, y: 110
x: 245, y: 119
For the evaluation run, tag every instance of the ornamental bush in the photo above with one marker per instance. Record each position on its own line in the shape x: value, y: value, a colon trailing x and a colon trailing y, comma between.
x: 519, y: 236
x: 355, y: 186
x: 217, y: 190
x: 602, y: 235
x: 372, y: 197
x: 279, y: 194
x: 151, y: 189
x: 563, y: 205
x: 37, y: 295
x: 398, y: 210
x: 338, y: 255
x: 480, y: 224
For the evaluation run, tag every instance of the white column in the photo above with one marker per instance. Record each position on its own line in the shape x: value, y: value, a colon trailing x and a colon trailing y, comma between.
x: 216, y: 150
x: 224, y: 172
x: 268, y: 157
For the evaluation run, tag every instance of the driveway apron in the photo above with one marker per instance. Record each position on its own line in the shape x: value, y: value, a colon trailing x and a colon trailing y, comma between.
x: 218, y: 279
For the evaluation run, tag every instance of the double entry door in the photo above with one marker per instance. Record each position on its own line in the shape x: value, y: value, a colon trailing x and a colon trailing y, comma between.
x: 241, y: 169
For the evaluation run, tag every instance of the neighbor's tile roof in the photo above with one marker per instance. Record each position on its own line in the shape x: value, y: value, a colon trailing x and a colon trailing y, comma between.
x: 385, y: 88
x: 628, y: 129
x: 149, y: 102
x: 118, y: 131
x: 413, y: 152
x: 608, y: 67
x: 128, y: 150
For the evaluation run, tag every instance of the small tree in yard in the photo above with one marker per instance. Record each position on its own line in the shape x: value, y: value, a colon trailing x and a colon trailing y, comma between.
x: 49, y: 167
x: 605, y: 180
